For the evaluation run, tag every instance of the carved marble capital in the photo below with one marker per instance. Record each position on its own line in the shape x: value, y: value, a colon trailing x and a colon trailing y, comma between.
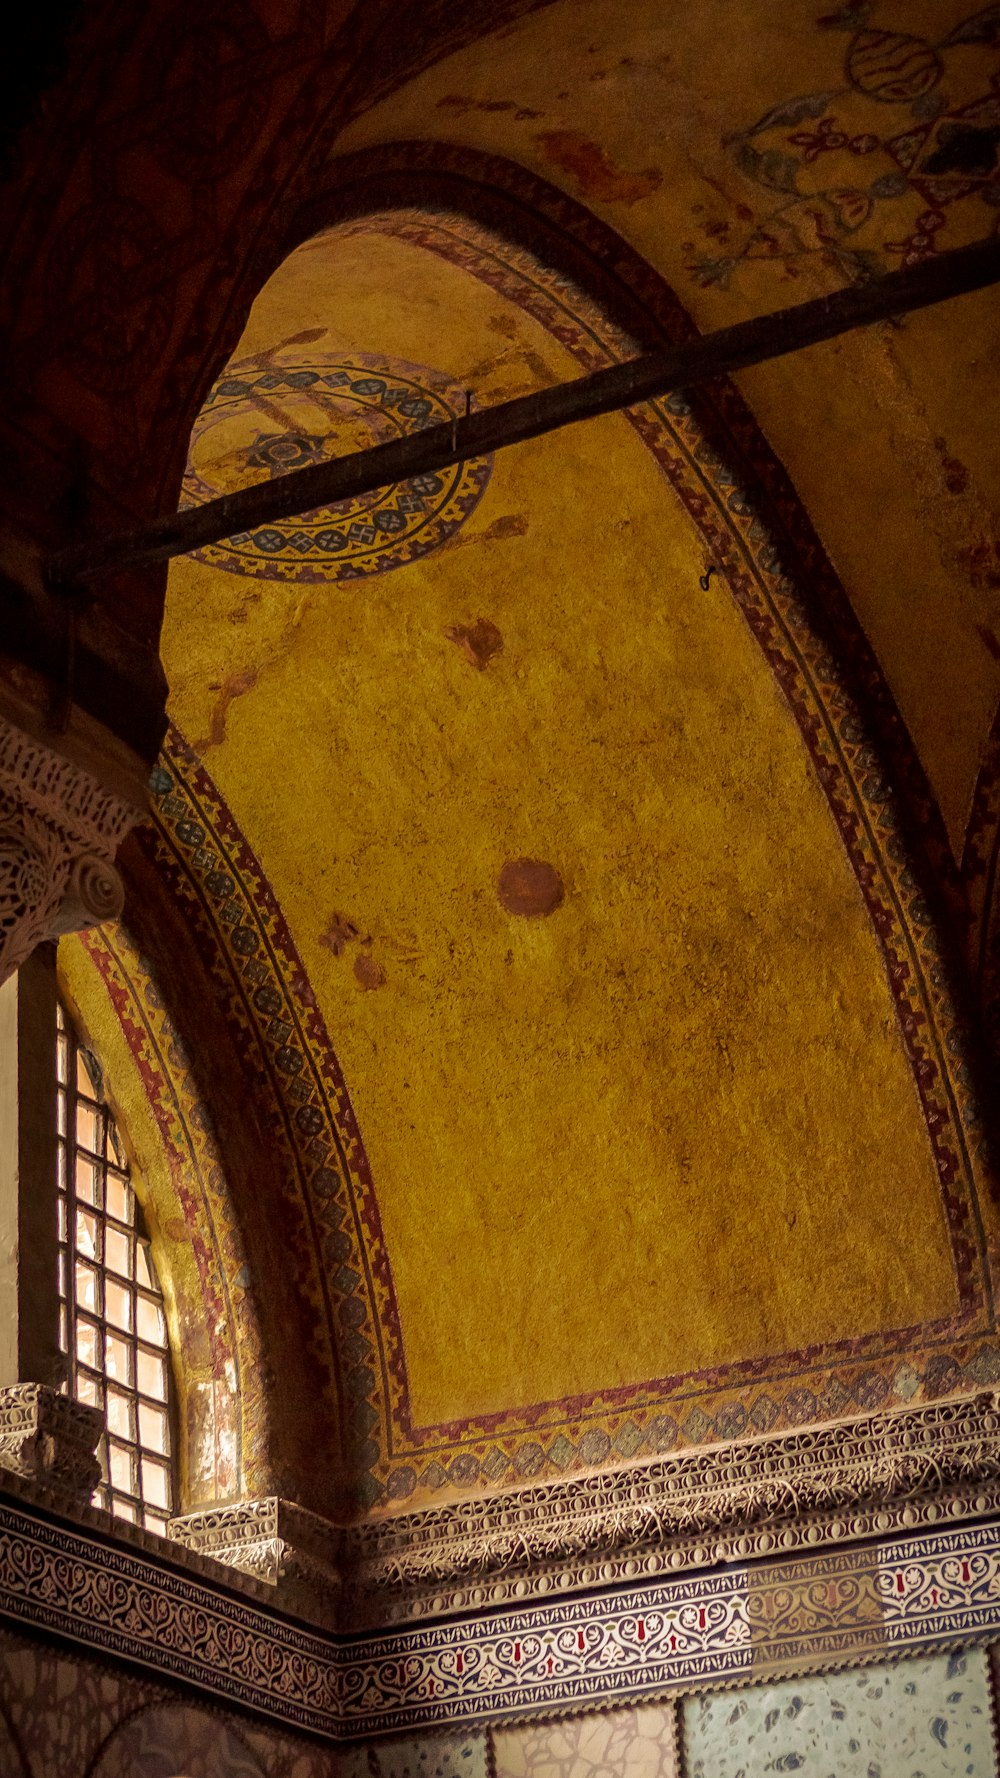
x: 50, y: 1439
x: 275, y: 1541
x: 60, y: 828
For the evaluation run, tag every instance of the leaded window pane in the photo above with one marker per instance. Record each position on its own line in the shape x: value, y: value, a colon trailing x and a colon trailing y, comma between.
x: 112, y: 1326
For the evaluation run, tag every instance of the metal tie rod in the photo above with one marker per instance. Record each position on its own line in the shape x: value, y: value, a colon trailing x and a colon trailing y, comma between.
x: 653, y: 375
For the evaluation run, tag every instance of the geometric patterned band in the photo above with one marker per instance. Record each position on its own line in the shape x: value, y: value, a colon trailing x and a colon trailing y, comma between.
x: 897, y: 1595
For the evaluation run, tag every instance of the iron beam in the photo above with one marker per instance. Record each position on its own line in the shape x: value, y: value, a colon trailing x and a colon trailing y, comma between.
x: 653, y: 375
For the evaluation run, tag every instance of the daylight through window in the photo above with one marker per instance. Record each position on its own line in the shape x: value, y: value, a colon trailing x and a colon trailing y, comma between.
x: 112, y: 1326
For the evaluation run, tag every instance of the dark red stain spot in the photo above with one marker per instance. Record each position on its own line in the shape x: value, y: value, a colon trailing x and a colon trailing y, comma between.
x: 339, y: 934
x: 597, y: 176
x: 529, y: 886
x: 236, y: 686
x: 479, y: 642
x: 956, y: 476
x: 458, y: 103
x: 989, y: 641
x: 509, y: 524
x: 367, y: 973
x: 981, y: 562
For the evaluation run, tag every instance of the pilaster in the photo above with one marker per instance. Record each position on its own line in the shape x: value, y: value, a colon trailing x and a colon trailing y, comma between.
x: 60, y: 827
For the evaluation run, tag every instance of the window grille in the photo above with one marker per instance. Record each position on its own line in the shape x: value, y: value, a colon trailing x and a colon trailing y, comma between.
x: 112, y: 1328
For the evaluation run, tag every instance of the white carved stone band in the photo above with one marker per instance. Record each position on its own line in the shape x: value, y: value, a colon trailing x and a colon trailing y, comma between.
x: 797, y: 1491
x: 50, y: 1439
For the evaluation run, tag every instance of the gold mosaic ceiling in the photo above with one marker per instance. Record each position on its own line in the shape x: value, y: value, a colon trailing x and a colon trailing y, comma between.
x: 596, y: 892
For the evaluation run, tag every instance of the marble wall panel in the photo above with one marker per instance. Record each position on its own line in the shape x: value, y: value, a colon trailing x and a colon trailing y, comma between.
x: 70, y: 1717
x: 172, y: 1738
x: 639, y: 1743
x: 462, y: 1755
x: 62, y: 1710
x: 11, y: 1761
x: 927, y: 1718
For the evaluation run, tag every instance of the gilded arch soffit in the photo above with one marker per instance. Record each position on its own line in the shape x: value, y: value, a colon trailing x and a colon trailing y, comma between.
x: 514, y: 204
x: 756, y: 157
x: 732, y: 493
x: 225, y: 1432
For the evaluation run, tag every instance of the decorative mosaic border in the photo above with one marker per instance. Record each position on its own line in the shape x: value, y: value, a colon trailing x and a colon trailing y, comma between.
x: 198, y: 1180
x: 901, y: 1595
x: 328, y: 1210
x: 332, y: 546
x: 387, y: 1457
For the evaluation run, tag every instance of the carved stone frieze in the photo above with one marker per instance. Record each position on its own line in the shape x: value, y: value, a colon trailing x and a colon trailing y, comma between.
x: 60, y: 828
x: 761, y: 1498
x: 830, y: 1485
x: 50, y: 1439
x: 276, y: 1542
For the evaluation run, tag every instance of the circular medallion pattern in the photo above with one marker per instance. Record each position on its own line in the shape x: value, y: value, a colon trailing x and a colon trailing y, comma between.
x: 263, y: 421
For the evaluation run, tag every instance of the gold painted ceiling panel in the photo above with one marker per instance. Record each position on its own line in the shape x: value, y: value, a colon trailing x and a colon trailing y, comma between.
x: 758, y: 155
x: 632, y: 1089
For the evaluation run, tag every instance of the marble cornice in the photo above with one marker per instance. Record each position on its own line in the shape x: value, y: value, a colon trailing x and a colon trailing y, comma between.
x: 833, y: 1487
x: 855, y: 1542
x: 803, y: 1490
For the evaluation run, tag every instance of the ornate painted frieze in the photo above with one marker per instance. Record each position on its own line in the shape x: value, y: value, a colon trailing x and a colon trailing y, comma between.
x: 49, y: 1439
x: 60, y: 828
x: 99, y: 1593
x: 691, y: 1633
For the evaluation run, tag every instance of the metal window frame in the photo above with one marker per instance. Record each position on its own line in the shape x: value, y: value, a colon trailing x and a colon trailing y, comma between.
x: 94, y: 1382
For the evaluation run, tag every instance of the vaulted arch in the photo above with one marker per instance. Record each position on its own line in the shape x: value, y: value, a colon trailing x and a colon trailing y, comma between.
x: 412, y: 1405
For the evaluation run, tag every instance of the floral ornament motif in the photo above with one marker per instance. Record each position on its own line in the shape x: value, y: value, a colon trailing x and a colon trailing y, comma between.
x: 874, y: 170
x: 278, y: 452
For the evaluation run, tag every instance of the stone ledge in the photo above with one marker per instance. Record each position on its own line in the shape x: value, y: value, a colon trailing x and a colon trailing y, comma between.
x: 922, y: 1469
x: 294, y: 1552
x: 50, y: 1439
x: 758, y: 1497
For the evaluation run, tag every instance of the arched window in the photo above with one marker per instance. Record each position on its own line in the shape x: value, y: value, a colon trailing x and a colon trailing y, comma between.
x: 112, y: 1327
